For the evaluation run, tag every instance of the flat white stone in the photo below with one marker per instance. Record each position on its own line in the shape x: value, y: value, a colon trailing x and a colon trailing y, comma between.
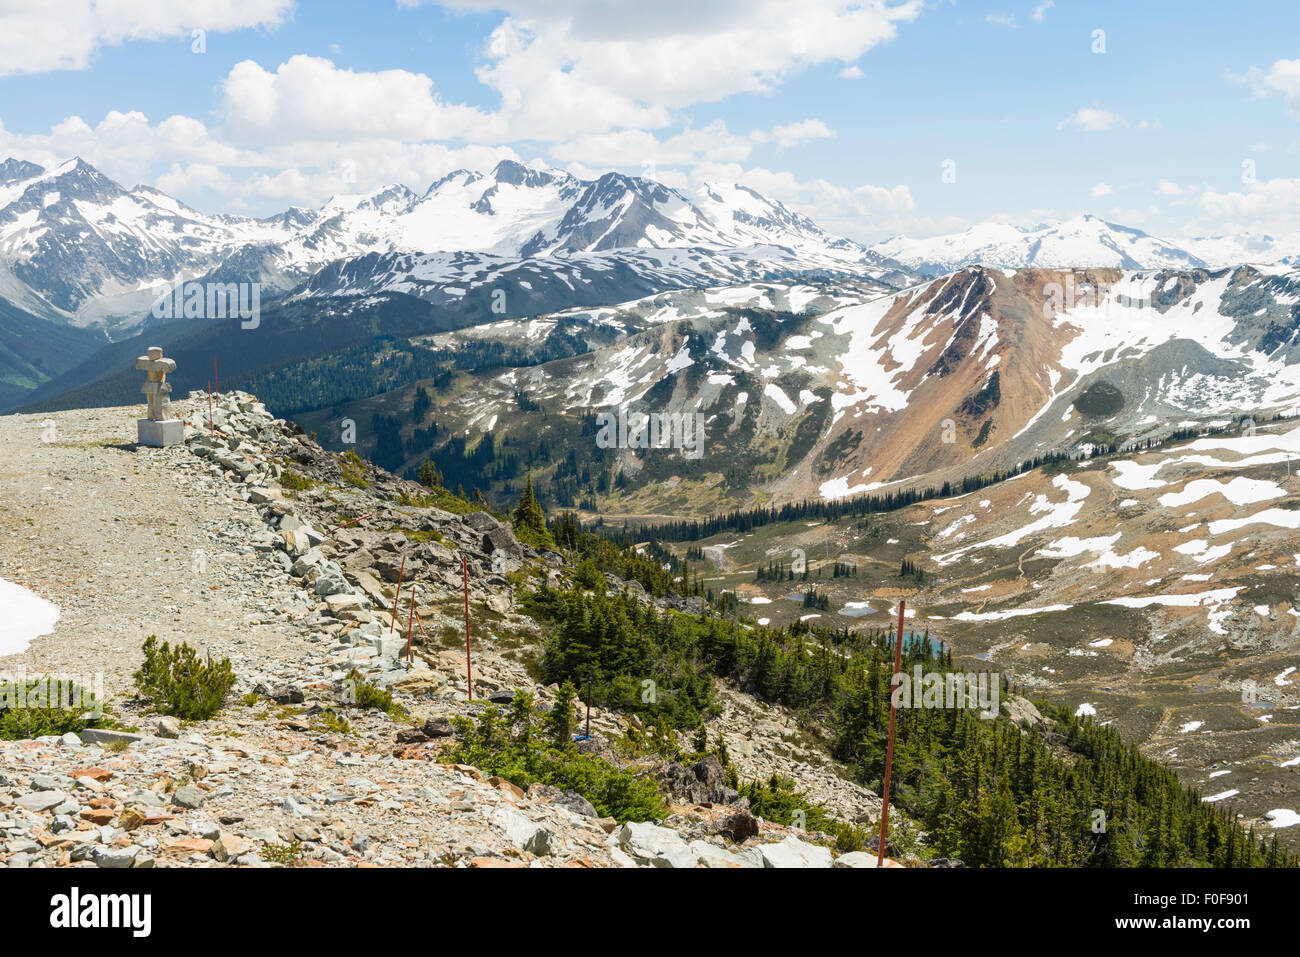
x: 160, y: 434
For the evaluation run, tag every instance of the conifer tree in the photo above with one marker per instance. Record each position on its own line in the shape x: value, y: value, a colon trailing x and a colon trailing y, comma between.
x: 530, y: 521
x: 559, y: 723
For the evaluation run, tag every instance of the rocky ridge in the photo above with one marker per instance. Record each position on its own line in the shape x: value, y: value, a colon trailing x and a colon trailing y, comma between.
x: 288, y: 774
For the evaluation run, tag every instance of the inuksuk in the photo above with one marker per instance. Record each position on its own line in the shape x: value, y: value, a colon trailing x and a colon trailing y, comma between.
x: 158, y: 429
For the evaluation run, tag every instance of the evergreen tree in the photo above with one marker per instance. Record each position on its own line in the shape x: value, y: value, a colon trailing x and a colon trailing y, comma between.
x: 559, y: 723
x: 529, y: 520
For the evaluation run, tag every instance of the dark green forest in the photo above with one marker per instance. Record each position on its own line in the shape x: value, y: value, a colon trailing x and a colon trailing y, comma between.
x: 1068, y: 794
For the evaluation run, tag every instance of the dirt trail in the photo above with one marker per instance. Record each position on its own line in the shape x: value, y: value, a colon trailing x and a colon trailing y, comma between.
x: 127, y: 542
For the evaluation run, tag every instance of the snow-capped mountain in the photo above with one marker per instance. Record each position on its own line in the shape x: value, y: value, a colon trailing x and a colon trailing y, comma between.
x: 74, y: 244
x: 81, y: 246
x: 1243, y: 248
x: 976, y: 371
x: 1085, y: 241
x: 518, y: 211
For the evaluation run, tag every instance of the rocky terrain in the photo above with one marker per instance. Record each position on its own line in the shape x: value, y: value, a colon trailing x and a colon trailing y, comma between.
x: 250, y: 541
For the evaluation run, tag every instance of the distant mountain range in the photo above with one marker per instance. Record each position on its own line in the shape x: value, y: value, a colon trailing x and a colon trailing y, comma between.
x: 82, y: 260
x: 76, y: 245
x: 1084, y: 241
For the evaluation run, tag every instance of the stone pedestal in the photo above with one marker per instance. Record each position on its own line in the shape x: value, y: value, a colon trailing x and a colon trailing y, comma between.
x: 160, y: 434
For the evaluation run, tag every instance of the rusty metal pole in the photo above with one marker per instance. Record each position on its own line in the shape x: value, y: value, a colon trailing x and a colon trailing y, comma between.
x: 889, y: 749
x: 469, y: 668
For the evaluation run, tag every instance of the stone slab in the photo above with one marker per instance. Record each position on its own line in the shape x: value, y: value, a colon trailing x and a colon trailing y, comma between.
x: 160, y: 434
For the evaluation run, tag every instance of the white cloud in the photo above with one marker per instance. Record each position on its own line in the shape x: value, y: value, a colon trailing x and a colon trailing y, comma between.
x: 1132, y: 216
x: 65, y: 34
x: 1272, y: 204
x: 1282, y: 78
x: 605, y: 83
x: 125, y: 145
x: 183, y: 158
x: 309, y: 98
x: 1101, y: 189
x: 853, y: 72
x: 1092, y: 120
x: 641, y: 148
x: 578, y: 66
x: 796, y: 133
x: 1001, y: 19
x: 1168, y: 188
x: 713, y: 143
x: 1040, y: 12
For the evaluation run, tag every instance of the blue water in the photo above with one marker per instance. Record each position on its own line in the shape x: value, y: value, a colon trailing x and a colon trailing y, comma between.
x: 935, y: 646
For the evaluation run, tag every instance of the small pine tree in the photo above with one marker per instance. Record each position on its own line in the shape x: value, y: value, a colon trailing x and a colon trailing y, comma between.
x: 180, y: 683
x: 430, y: 477
x: 530, y: 521
x: 559, y: 723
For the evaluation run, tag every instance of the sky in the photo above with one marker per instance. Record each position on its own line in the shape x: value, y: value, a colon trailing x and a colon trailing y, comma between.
x: 875, y: 117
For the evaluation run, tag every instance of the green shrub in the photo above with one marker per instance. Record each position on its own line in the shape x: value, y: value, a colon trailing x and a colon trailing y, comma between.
x: 295, y: 482
x: 289, y: 855
x: 180, y: 684
x: 366, y: 695
x: 42, y: 707
x: 780, y: 801
x: 524, y: 749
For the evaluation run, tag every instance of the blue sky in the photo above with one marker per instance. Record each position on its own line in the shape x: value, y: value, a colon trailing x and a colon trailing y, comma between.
x: 1187, y: 123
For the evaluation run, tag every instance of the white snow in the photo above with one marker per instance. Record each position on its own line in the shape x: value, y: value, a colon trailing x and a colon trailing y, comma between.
x: 1213, y: 600
x: 1238, y: 491
x: 1010, y: 613
x: 773, y: 392
x: 1222, y: 795
x: 26, y: 617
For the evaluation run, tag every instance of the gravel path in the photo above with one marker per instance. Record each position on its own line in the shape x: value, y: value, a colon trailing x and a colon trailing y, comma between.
x: 129, y: 542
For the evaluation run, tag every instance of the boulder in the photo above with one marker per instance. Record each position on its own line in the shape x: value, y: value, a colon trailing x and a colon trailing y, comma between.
x: 521, y: 831
x: 704, y: 782
x: 188, y: 797
x: 793, y: 852
x: 41, y: 800
x: 115, y: 857
x: 570, y: 800
x: 230, y: 847
x: 1022, y: 712
x: 739, y: 825
x: 654, y: 845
